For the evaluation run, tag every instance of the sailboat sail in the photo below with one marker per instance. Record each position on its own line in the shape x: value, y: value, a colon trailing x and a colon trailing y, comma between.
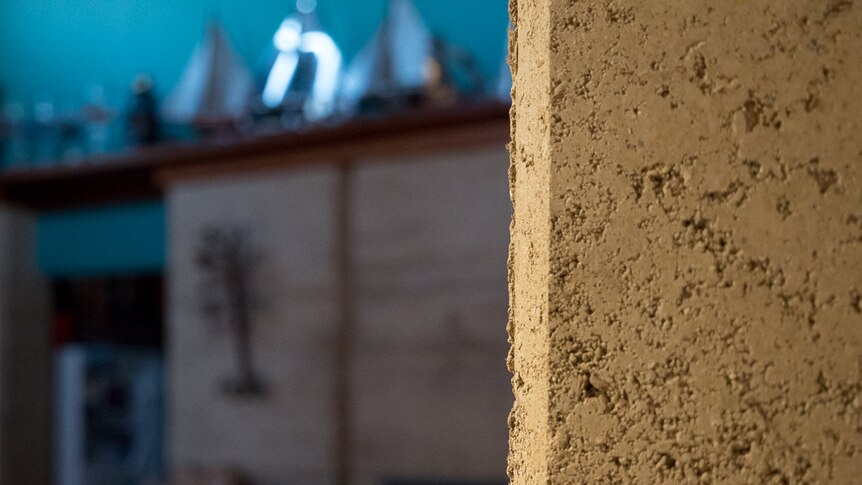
x: 396, y: 58
x: 215, y: 86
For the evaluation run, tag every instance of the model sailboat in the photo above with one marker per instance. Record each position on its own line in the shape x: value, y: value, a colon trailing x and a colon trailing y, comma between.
x: 393, y: 66
x: 215, y: 87
x: 405, y: 66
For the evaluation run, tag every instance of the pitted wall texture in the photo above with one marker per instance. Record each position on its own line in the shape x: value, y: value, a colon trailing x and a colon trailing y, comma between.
x: 703, y: 320
x: 529, y: 263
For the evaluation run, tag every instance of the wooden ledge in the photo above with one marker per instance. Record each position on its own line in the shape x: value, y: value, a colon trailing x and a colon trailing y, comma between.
x: 144, y: 173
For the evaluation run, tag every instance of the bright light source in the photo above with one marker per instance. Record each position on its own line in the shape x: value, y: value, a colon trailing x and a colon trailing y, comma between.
x: 328, y: 68
x: 292, y: 42
x: 306, y: 6
x: 279, y: 79
x: 287, y: 37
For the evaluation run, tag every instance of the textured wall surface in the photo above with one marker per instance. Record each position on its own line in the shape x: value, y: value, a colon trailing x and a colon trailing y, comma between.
x: 701, y: 177
x: 429, y: 394
x: 529, y: 251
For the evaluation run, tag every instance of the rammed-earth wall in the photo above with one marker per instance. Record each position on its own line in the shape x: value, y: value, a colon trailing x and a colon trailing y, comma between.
x: 686, y: 261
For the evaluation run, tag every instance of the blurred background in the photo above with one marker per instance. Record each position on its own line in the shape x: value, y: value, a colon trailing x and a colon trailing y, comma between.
x: 253, y: 242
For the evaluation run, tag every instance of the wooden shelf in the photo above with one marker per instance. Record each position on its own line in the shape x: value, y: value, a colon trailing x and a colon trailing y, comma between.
x: 145, y: 173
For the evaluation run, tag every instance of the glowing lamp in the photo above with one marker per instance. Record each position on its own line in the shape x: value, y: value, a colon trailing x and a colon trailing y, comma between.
x: 307, y: 68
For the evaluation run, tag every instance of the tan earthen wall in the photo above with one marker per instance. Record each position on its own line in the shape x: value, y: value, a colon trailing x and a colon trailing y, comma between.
x: 686, y: 266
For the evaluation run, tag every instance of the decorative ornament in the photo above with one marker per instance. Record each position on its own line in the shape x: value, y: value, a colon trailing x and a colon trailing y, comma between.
x: 215, y: 87
x: 304, y: 78
x: 404, y: 66
x: 143, y: 119
x: 227, y: 260
x: 392, y: 69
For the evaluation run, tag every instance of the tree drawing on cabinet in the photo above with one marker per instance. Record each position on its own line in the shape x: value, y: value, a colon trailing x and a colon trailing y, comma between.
x: 228, y: 262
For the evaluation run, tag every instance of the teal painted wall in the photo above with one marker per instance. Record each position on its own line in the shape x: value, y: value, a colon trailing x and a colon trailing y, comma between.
x: 103, y: 242
x: 61, y: 46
